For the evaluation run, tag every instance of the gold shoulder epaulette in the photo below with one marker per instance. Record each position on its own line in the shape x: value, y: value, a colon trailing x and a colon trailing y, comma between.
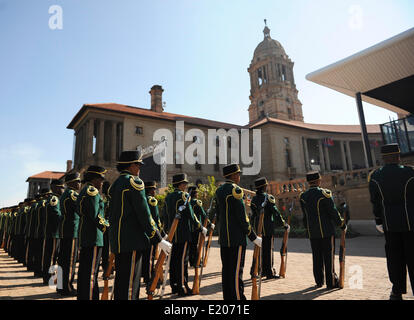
x: 237, y: 192
x: 73, y: 195
x: 54, y: 201
x: 271, y: 198
x: 199, y: 203
x: 184, y: 196
x: 152, y: 201
x: 327, y: 193
x: 92, y: 191
x: 370, y: 174
x: 137, y: 184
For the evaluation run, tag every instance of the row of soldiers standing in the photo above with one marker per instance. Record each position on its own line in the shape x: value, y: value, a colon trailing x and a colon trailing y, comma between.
x: 33, y: 231
x: 52, y: 227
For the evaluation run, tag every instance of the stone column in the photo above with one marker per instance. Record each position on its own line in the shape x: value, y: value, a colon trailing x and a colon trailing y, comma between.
x: 349, y: 155
x: 77, y: 148
x: 305, y: 148
x: 100, y: 141
x: 327, y: 159
x: 89, y: 140
x: 322, y: 159
x: 113, y: 142
x: 343, y: 155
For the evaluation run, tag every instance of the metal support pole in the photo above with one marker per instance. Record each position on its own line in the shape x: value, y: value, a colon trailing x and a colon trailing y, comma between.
x: 364, y: 132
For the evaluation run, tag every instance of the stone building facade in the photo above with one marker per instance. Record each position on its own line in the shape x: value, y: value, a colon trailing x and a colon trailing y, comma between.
x: 290, y: 147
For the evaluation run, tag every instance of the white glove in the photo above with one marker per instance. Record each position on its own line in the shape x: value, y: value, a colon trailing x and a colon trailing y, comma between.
x: 165, y: 237
x: 288, y: 227
x: 181, y: 208
x: 204, y: 231
x: 212, y: 226
x: 165, y: 246
x: 380, y: 228
x: 258, y: 242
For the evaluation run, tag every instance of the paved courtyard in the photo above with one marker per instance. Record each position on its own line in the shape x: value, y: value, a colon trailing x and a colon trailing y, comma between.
x: 366, y: 276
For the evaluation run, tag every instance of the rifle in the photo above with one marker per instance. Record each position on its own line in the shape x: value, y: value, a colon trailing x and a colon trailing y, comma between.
x: 283, y: 250
x: 162, y: 255
x: 111, y: 262
x: 164, y: 279
x: 197, y: 279
x: 257, y: 256
x: 210, y: 237
x: 342, y: 254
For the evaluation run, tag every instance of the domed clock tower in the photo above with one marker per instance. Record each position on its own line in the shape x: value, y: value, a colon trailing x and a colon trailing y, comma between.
x: 272, y: 85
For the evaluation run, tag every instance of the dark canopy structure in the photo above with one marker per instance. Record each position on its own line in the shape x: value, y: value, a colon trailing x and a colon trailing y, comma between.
x: 382, y: 75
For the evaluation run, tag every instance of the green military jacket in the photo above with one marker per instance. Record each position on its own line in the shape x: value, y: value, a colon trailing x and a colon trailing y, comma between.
x: 20, y: 221
x: 12, y: 222
x: 40, y: 218
x: 153, y: 206
x: 199, y: 212
x: 23, y: 221
x: 272, y: 217
x: 28, y: 220
x: 187, y: 221
x: 320, y: 215
x: 131, y: 224
x: 52, y: 217
x: 69, y: 226
x: 391, y: 189
x: 32, y: 220
x: 234, y: 223
x: 92, y: 222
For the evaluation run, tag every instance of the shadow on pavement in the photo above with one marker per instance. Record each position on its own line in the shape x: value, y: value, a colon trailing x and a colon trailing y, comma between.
x: 305, y: 294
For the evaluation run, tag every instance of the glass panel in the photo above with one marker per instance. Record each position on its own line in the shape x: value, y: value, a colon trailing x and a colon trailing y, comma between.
x: 409, y: 121
x: 401, y: 136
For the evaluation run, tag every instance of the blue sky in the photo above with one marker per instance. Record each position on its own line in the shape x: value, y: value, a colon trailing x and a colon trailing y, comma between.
x: 198, y: 50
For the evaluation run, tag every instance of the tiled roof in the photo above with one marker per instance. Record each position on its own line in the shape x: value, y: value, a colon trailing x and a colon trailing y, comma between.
x: 332, y: 128
x: 120, y: 108
x: 47, y: 175
x: 124, y: 109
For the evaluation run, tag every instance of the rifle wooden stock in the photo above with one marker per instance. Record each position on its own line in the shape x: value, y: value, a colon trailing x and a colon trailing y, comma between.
x: 111, y: 262
x: 161, y: 259
x: 342, y: 258
x: 255, y: 291
x: 210, y: 237
x: 197, y: 279
x: 283, y: 253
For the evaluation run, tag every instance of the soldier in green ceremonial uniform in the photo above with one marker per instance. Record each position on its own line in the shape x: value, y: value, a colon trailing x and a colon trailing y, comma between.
x: 391, y: 189
x: 51, y: 228
x: 320, y: 216
x: 13, y: 216
x: 35, y: 245
x: 30, y: 232
x: 92, y: 225
x: 272, y: 219
x: 132, y: 229
x: 68, y: 233
x: 179, y: 202
x: 105, y: 248
x: 149, y: 254
x: 234, y: 227
x: 40, y: 216
x: 19, y: 232
x: 201, y: 216
x: 13, y: 239
x: 7, y: 230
